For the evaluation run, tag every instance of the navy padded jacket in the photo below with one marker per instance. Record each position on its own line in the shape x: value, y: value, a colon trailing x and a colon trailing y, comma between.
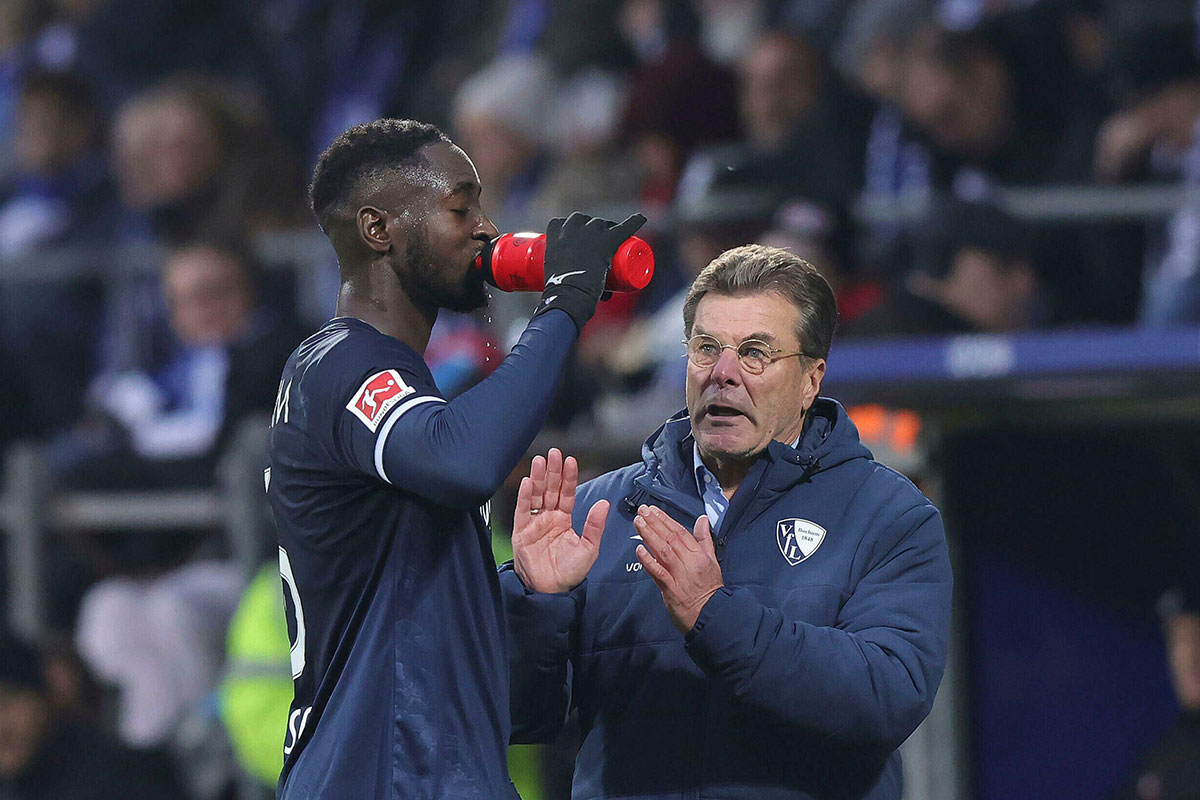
x: 801, y: 677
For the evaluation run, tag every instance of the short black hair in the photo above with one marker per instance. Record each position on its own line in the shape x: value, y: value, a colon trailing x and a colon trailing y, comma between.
x: 361, y: 152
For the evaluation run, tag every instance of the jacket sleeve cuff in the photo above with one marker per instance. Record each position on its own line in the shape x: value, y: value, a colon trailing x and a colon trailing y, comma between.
x: 724, y: 633
x: 543, y: 622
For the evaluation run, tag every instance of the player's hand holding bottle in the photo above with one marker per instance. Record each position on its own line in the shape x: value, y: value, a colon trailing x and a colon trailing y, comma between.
x: 579, y: 252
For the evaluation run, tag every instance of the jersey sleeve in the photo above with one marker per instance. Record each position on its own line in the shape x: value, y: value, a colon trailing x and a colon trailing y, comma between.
x: 376, y: 402
x: 392, y: 424
x: 458, y: 454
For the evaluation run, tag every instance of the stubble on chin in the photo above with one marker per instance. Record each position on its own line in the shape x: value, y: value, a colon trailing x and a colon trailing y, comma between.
x: 425, y: 284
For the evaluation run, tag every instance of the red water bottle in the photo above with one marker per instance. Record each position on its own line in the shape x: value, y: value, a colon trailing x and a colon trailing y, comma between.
x: 515, y: 262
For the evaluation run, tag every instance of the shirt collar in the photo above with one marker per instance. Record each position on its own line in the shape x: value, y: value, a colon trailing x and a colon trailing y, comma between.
x: 701, y: 472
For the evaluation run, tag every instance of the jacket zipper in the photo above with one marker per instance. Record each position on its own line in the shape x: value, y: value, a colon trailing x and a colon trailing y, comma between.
x: 631, y: 502
x: 689, y: 791
x: 729, y: 522
x: 643, y: 489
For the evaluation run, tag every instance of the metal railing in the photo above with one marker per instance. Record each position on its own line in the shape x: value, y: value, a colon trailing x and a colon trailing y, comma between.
x: 1042, y: 204
x: 32, y: 508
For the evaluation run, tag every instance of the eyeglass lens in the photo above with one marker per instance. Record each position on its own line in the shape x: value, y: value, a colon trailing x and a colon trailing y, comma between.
x: 704, y: 351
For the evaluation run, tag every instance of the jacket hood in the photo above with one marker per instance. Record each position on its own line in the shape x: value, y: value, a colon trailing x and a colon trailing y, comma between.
x: 829, y: 439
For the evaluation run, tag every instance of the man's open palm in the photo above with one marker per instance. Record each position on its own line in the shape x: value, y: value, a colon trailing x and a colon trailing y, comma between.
x: 548, y: 555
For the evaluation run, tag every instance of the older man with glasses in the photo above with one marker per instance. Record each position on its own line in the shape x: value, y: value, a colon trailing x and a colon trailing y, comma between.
x: 768, y: 614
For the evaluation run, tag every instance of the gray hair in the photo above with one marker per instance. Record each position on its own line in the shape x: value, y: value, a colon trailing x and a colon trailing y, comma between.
x: 756, y: 268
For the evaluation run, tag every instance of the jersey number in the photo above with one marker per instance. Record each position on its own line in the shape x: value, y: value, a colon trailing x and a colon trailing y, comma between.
x: 285, y: 571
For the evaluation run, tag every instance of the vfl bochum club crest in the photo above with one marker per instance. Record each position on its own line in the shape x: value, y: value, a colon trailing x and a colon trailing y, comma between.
x: 798, y: 539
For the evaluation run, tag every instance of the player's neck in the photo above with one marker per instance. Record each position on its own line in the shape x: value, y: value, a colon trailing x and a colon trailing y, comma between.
x: 383, y: 305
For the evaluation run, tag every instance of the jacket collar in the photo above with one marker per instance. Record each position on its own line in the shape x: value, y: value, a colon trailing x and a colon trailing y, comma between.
x: 829, y: 439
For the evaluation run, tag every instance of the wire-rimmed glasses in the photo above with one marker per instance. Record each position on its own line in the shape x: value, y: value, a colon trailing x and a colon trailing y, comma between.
x: 754, y: 355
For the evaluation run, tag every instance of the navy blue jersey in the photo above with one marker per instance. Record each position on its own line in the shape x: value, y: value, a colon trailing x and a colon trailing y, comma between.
x: 398, y: 653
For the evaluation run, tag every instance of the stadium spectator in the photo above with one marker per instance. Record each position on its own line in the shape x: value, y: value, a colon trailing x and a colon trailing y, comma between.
x: 57, y: 196
x: 875, y: 41
x: 398, y: 650
x: 873, y: 55
x: 751, y: 660
x: 975, y: 274
x: 678, y: 99
x: 47, y: 754
x: 59, y: 191
x: 158, y: 638
x: 577, y: 37
x: 587, y: 169
x: 500, y: 116
x: 1090, y: 269
x: 728, y: 30
x: 164, y: 424
x: 1170, y: 770
x: 19, y: 21
x: 1157, y: 78
x: 780, y: 83
x: 194, y: 159
x: 797, y: 118
x: 1075, y: 38
x: 125, y: 46
x: 154, y: 625
x: 991, y: 116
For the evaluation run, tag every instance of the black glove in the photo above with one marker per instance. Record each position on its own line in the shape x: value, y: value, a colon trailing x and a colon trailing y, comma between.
x: 579, y: 251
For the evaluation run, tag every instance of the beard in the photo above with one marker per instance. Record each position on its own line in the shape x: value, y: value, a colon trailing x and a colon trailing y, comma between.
x: 426, y: 284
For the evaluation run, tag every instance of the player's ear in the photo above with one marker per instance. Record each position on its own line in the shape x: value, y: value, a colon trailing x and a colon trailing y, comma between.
x: 373, y: 229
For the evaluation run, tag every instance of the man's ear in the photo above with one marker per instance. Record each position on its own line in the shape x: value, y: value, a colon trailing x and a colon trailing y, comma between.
x: 373, y: 229
x: 813, y: 376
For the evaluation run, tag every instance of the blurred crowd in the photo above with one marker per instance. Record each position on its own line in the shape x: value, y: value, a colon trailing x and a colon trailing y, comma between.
x: 147, y: 147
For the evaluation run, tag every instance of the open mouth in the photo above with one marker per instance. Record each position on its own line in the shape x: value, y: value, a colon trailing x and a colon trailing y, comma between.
x: 719, y: 411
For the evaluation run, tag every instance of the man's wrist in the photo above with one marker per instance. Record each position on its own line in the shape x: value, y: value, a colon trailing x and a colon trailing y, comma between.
x: 532, y: 586
x: 571, y: 300
x: 699, y: 609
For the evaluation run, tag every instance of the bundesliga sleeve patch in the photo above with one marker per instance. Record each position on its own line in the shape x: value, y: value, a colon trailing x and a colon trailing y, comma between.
x: 378, y: 394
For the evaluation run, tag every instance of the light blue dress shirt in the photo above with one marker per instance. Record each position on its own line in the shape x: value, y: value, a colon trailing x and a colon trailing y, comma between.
x: 715, y: 501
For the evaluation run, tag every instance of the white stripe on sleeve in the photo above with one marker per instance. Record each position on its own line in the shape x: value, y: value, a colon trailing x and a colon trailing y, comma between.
x: 381, y: 439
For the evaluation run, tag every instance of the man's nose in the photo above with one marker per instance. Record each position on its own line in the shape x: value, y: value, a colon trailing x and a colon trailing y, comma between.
x: 727, y: 369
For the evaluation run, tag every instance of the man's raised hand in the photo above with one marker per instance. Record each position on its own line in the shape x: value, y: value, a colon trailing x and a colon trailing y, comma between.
x: 548, y: 556
x: 683, y: 564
